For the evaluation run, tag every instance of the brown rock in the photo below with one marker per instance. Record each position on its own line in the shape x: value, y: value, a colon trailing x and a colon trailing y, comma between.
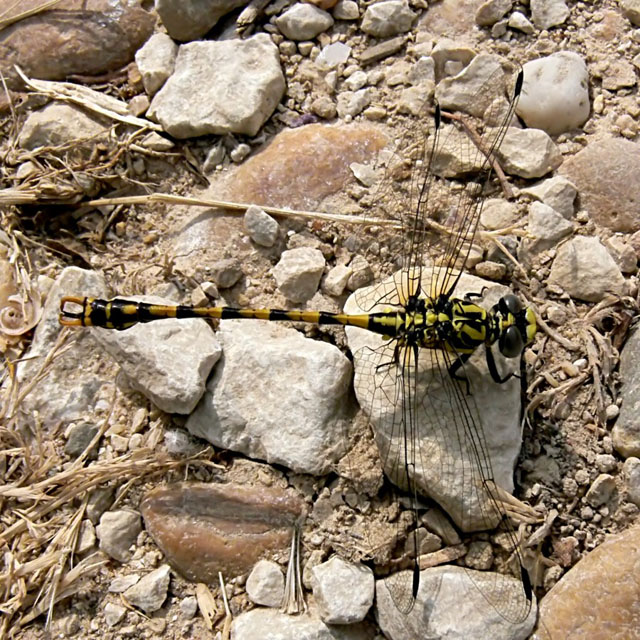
x: 324, y: 4
x: 606, y: 176
x: 206, y: 528
x: 302, y: 166
x: 599, y: 598
x: 76, y: 37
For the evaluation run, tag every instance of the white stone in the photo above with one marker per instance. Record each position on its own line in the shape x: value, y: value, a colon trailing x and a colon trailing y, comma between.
x: 585, y: 270
x: 151, y: 591
x: 456, y: 603
x: 117, y: 531
x: 387, y: 18
x: 343, y: 591
x: 332, y: 55
x: 220, y: 87
x: 298, y: 273
x: 423, y: 71
x: 156, y: 60
x: 555, y: 93
x: 168, y: 361
x: 449, y: 472
x: 265, y: 584
x: 528, y: 153
x: 548, y: 13
x: 270, y: 624
x: 253, y: 402
x: 519, y: 22
x: 303, y: 22
x: 557, y: 192
x: 260, y: 226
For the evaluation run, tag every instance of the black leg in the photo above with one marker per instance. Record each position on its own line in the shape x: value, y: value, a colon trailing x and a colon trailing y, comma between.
x: 493, y: 369
x: 453, y: 370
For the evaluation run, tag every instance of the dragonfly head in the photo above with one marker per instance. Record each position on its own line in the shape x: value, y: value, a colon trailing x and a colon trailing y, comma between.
x: 517, y: 326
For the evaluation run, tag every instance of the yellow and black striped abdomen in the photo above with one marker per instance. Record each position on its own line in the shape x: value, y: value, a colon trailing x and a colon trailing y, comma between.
x: 122, y: 314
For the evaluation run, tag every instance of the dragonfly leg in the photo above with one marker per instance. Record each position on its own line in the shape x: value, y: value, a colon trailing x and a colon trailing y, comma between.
x: 453, y: 370
x: 493, y: 369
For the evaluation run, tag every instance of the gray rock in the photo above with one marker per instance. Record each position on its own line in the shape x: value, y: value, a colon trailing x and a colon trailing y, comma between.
x: 475, y: 88
x: 498, y: 214
x: 122, y: 583
x: 303, y: 22
x: 556, y: 192
x: 548, y: 13
x: 156, y: 61
x: 519, y: 22
x: 189, y: 607
x: 261, y: 227
x: 631, y: 9
x: 343, y: 591
x: 58, y: 124
x: 346, y: 10
x: 364, y: 173
x: 546, y: 227
x: 435, y: 520
x: 86, y: 537
x: 387, y: 18
x: 479, y: 556
x: 631, y: 471
x: 269, y: 624
x: 453, y: 158
x: 456, y: 603
x: 191, y: 19
x: 624, y: 254
x: 335, y: 282
x: 606, y: 462
x: 220, y: 87
x: 528, y: 153
x: 151, y: 591
x: 423, y: 71
x: 446, y: 51
x: 226, y: 272
x: 491, y: 11
x: 361, y: 273
x: 67, y: 391
x: 351, y: 103
x: 240, y: 152
x: 117, y: 531
x: 601, y: 490
x: 555, y: 93
x: 449, y: 473
x: 585, y: 270
x: 619, y: 74
x: 298, y: 273
x: 100, y: 500
x: 605, y: 174
x: 626, y: 430
x: 356, y: 80
x: 167, y: 361
x: 265, y: 584
x: 113, y: 614
x: 79, y: 438
x: 253, y: 400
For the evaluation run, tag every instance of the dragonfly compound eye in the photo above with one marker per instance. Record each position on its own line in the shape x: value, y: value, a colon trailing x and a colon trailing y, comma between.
x: 512, y: 304
x: 511, y: 342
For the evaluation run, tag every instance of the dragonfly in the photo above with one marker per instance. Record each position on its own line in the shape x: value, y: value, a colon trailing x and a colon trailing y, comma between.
x: 425, y: 333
